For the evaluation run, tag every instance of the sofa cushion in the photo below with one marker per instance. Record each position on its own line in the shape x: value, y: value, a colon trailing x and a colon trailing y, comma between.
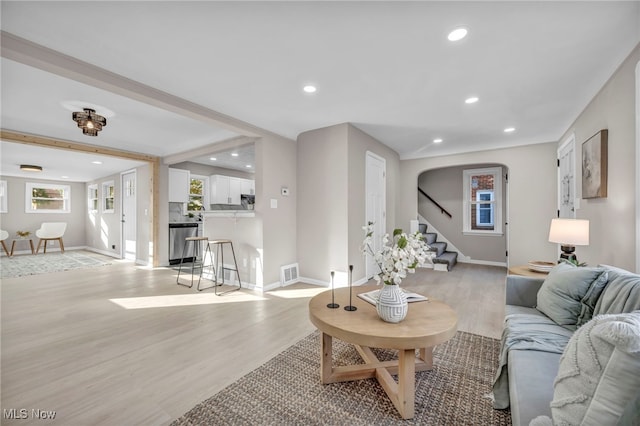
x: 531, y: 375
x: 569, y: 293
x: 622, y: 293
x: 598, y: 378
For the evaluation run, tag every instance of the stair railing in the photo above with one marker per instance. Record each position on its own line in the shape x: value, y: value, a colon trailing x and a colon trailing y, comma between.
x: 442, y: 209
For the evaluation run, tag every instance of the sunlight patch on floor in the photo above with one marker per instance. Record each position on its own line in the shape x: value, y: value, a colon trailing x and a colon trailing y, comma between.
x: 173, y: 300
x: 297, y: 293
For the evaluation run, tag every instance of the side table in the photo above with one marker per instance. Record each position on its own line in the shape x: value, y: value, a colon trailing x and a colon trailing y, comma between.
x: 13, y: 245
x: 524, y: 270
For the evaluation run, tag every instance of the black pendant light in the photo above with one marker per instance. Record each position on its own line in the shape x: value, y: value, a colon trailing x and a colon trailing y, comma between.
x: 90, y: 122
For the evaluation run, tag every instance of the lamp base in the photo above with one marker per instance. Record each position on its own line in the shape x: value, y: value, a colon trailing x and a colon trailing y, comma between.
x: 568, y: 253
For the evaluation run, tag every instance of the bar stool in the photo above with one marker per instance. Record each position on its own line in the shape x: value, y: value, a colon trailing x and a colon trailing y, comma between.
x: 217, y: 246
x: 195, y: 264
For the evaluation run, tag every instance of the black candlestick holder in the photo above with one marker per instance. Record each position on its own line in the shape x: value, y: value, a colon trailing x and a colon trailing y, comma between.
x: 333, y: 304
x: 350, y: 307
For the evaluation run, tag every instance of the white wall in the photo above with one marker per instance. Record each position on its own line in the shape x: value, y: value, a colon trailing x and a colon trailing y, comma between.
x: 275, y: 169
x: 532, y: 194
x: 322, y: 202
x: 611, y: 219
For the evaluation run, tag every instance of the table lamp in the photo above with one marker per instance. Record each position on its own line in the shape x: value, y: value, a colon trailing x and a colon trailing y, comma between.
x: 569, y: 233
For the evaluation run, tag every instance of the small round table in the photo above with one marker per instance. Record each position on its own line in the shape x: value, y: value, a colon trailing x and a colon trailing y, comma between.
x: 427, y: 324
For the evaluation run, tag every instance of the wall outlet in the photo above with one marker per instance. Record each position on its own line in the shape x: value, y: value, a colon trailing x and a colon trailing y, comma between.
x: 113, y: 246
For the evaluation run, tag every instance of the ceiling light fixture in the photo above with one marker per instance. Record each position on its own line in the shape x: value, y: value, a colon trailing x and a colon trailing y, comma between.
x: 90, y: 122
x: 510, y: 129
x: 471, y: 100
x: 457, y: 34
x: 96, y: 162
x: 30, y: 168
x: 437, y: 140
x: 234, y: 154
x: 248, y: 166
x: 309, y: 88
x: 213, y: 158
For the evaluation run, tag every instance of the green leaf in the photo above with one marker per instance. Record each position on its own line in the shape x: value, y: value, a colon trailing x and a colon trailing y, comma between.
x: 402, y: 242
x: 397, y: 232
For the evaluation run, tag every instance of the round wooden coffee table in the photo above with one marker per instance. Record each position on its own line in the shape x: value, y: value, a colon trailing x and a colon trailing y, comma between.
x: 426, y: 325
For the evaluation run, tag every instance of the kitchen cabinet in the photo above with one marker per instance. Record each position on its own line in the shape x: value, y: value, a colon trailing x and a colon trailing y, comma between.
x: 248, y: 187
x: 227, y: 189
x: 179, y: 185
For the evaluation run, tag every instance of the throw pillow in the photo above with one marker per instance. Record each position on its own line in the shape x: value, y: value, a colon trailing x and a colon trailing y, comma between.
x: 566, y: 294
x: 598, y: 378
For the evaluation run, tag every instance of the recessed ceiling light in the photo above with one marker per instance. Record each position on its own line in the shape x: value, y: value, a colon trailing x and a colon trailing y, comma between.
x: 309, y: 88
x: 457, y: 34
x: 234, y: 154
x: 471, y: 100
x: 96, y: 162
x: 213, y: 158
x: 510, y: 129
x: 64, y: 177
x: 437, y: 140
x: 30, y: 168
x: 248, y: 166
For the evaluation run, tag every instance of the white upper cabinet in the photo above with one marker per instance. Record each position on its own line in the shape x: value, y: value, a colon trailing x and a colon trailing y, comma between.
x: 179, y: 185
x: 248, y: 187
x: 227, y: 189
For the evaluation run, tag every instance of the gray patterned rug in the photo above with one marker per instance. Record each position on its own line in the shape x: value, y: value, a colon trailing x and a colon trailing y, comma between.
x: 28, y: 264
x: 287, y: 390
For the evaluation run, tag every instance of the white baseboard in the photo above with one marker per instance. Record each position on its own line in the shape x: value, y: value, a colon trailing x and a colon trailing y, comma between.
x: 483, y: 262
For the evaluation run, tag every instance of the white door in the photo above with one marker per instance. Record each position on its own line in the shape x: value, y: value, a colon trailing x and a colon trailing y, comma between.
x: 567, y: 178
x: 375, y: 188
x: 128, y: 215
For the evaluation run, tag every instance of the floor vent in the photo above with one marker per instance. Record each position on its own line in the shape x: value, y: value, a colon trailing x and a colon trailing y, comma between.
x: 289, y: 274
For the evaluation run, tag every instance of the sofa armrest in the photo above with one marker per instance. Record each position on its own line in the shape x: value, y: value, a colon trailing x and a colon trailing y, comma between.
x: 522, y: 290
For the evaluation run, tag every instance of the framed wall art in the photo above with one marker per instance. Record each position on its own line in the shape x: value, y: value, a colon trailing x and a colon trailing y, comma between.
x: 594, y: 166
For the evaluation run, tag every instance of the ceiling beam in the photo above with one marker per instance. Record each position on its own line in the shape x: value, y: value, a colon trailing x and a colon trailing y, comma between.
x: 26, y: 52
x: 28, y: 139
x: 224, y: 145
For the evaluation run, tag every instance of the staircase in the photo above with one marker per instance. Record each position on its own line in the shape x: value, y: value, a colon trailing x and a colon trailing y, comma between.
x: 444, y: 260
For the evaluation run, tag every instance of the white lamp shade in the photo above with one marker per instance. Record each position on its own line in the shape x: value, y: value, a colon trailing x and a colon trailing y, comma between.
x: 573, y: 232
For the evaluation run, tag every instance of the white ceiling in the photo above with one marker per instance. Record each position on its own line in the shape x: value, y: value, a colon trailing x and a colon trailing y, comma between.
x: 386, y: 67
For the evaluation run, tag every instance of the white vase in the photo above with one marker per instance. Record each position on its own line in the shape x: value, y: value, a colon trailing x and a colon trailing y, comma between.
x: 392, y: 304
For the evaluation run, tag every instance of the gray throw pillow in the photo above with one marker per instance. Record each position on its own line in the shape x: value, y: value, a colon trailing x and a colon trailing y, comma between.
x: 566, y: 294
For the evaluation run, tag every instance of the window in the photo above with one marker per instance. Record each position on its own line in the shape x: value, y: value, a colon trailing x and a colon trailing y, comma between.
x: 47, y: 198
x: 3, y: 196
x: 92, y: 198
x: 197, y: 193
x: 484, y: 211
x: 483, y: 201
x: 108, y: 197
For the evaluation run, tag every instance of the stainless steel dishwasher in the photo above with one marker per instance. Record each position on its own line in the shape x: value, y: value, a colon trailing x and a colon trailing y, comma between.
x: 178, y: 232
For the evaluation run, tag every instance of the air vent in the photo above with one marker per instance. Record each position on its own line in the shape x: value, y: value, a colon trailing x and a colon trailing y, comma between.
x: 289, y: 274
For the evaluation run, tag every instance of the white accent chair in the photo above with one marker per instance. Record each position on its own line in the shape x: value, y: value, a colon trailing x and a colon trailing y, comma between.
x: 51, y: 231
x: 3, y: 236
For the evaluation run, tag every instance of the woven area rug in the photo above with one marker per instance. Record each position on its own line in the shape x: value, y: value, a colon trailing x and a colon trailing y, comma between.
x: 28, y: 264
x: 287, y: 390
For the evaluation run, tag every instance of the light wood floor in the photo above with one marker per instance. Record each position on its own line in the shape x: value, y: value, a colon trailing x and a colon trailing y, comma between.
x: 123, y: 345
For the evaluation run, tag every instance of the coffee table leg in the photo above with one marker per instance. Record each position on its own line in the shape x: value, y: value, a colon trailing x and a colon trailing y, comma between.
x: 326, y: 351
x: 426, y: 355
x: 406, y: 382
